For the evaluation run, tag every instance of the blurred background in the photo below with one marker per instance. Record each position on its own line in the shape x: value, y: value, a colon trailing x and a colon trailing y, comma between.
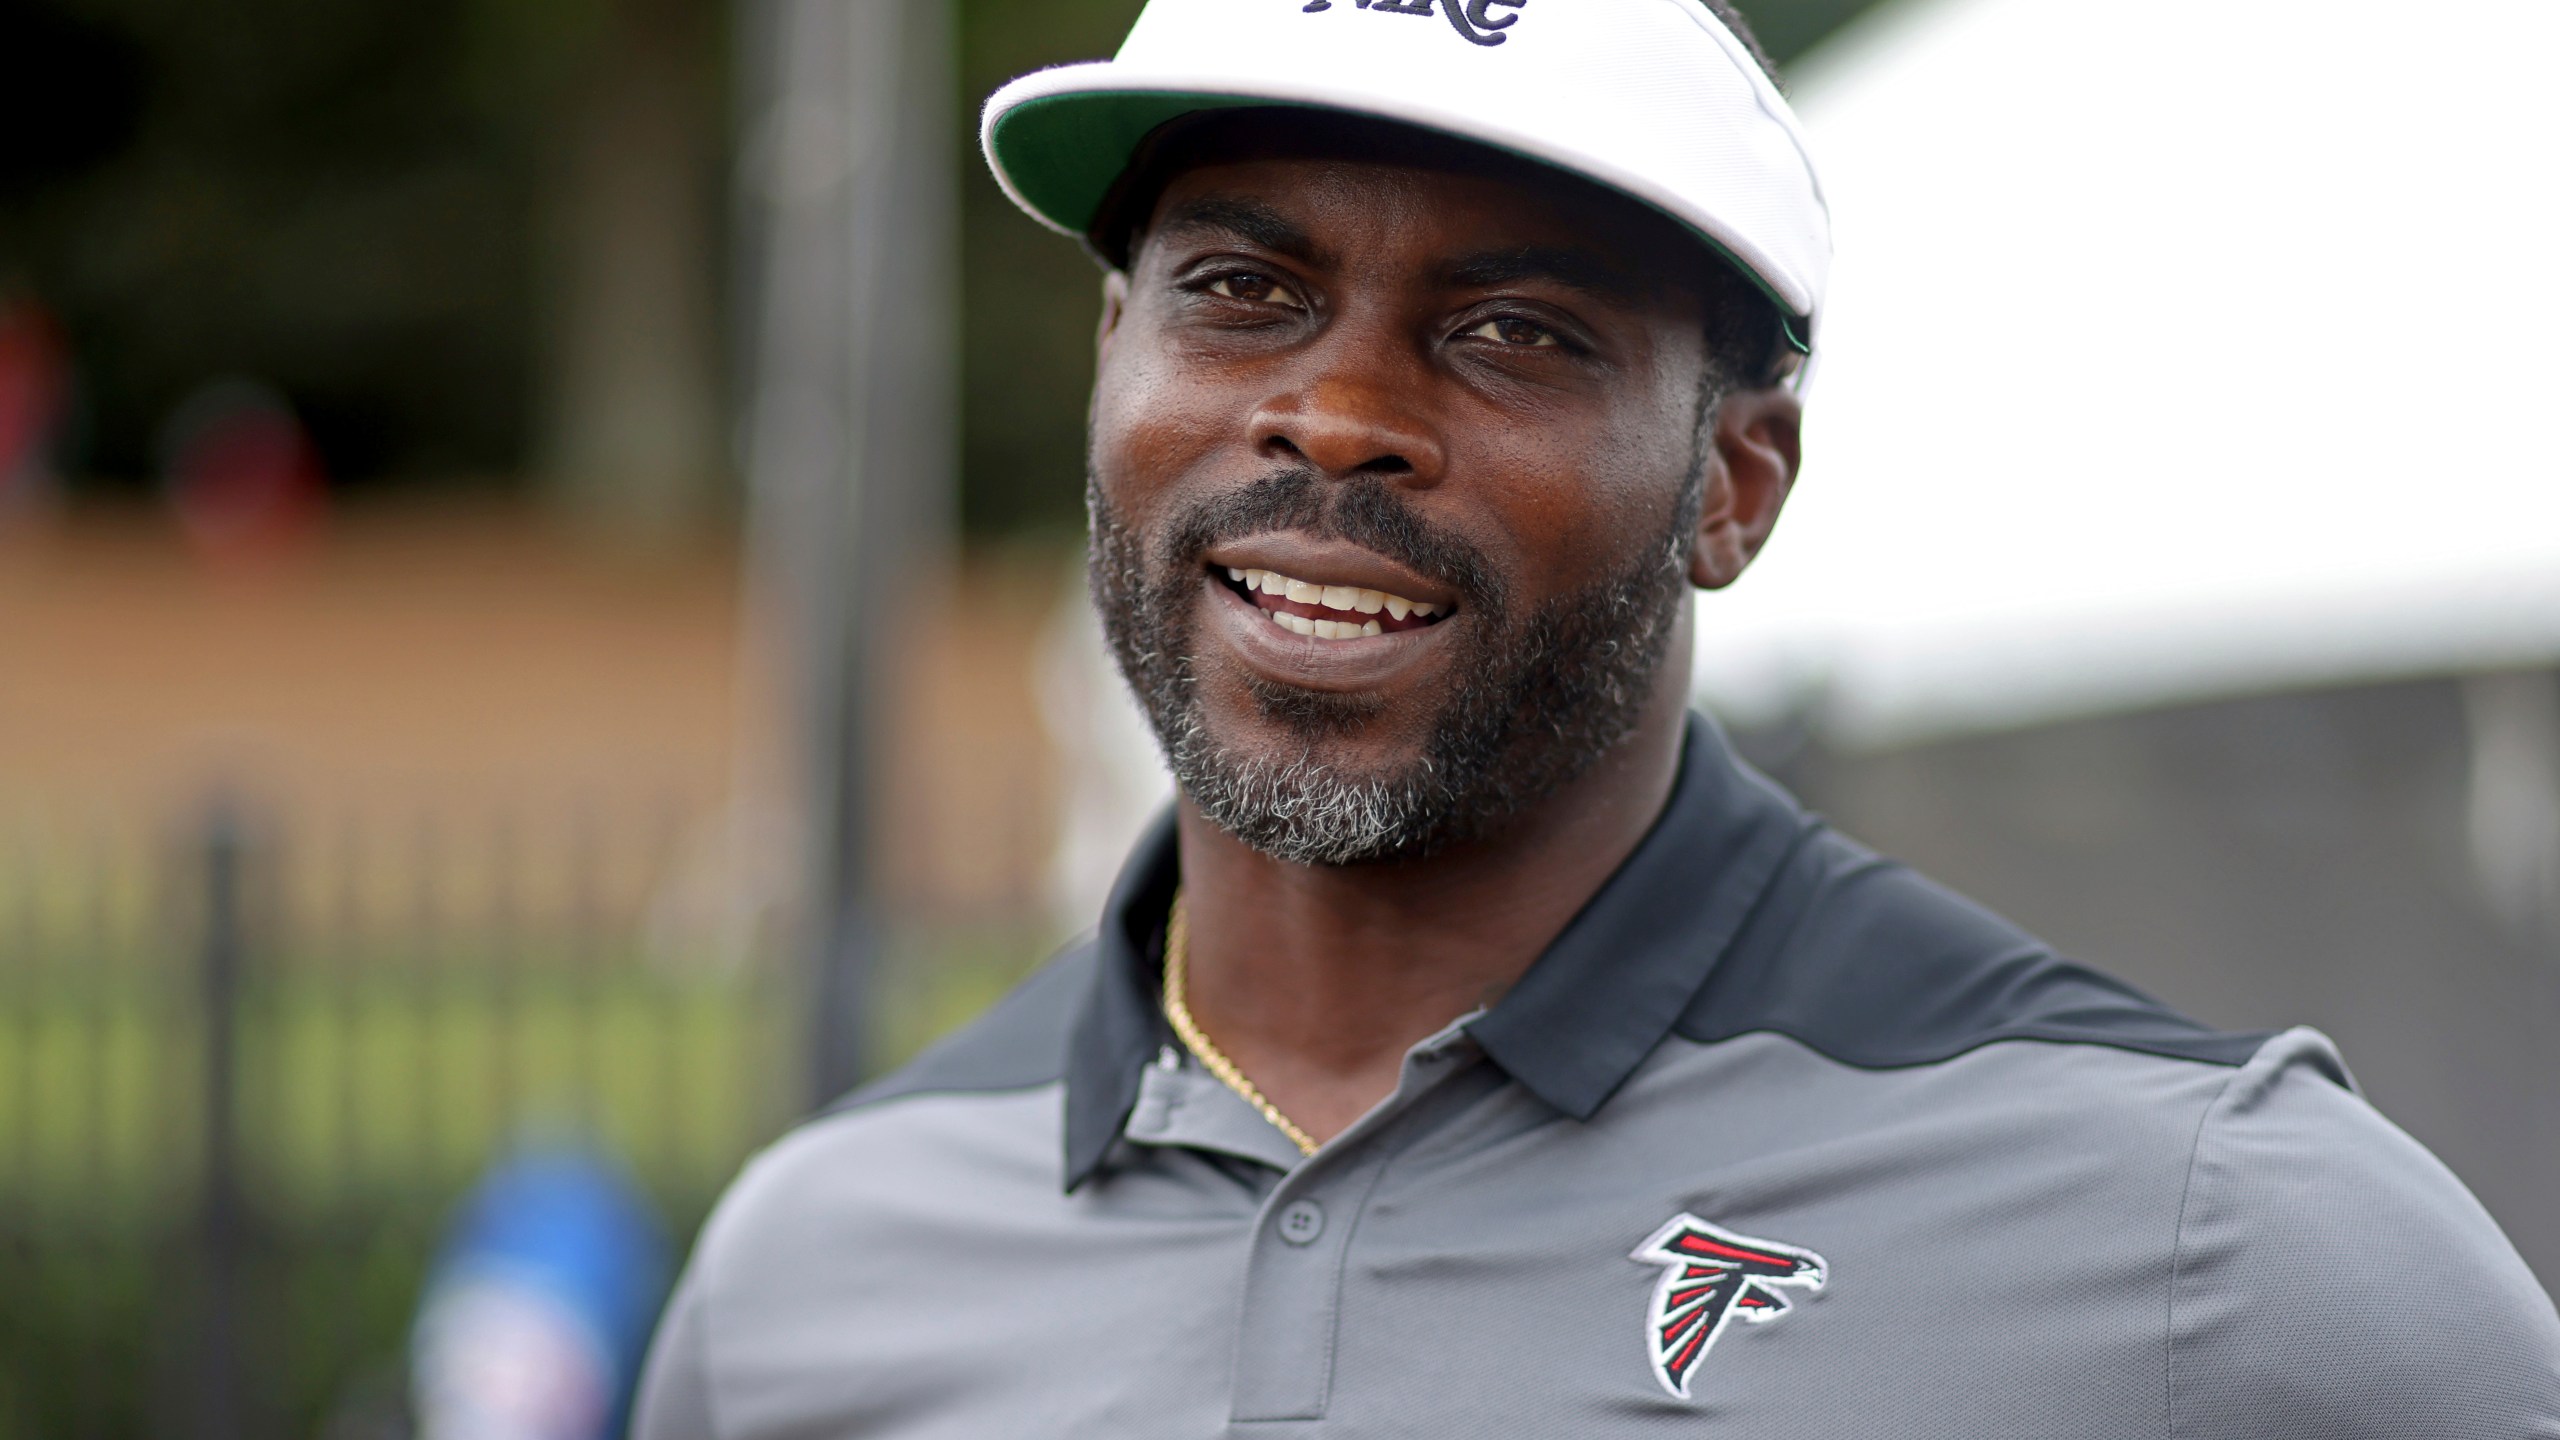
x: 541, y: 624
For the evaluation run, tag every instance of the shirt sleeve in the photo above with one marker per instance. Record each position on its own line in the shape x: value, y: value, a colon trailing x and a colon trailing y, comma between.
x: 2335, y: 1282
x: 674, y: 1402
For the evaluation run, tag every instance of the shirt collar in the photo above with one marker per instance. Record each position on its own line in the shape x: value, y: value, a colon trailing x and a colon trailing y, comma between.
x: 1582, y: 1018
x: 1122, y: 1025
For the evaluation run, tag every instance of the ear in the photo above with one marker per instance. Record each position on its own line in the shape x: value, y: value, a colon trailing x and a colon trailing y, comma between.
x: 1758, y: 444
x: 1115, y: 302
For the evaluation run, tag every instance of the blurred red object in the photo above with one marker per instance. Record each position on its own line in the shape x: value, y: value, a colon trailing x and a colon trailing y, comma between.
x: 242, y: 474
x: 34, y: 388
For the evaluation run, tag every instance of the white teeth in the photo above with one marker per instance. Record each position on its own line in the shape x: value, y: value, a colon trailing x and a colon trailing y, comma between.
x: 1324, y: 629
x: 1347, y: 599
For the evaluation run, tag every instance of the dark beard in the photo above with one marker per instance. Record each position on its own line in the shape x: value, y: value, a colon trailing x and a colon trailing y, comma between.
x: 1539, y: 697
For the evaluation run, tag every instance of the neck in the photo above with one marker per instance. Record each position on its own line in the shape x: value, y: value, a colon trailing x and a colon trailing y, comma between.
x: 1315, y: 980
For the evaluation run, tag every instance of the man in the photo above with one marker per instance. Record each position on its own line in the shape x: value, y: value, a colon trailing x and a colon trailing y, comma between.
x: 1477, y: 1047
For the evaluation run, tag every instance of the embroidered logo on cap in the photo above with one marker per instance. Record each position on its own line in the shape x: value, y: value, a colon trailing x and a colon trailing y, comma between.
x: 1711, y: 1275
x: 1474, y: 19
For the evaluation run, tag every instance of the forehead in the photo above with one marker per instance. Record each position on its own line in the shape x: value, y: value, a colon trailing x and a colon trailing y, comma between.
x: 1336, y: 181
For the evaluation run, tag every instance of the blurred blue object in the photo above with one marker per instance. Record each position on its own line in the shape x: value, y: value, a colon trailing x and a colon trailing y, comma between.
x: 539, y: 1307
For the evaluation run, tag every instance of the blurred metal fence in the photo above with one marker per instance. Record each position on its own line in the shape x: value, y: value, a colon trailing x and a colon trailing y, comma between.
x: 246, y: 1071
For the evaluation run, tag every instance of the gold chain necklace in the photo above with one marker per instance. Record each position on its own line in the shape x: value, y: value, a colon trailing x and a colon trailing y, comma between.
x: 1177, y: 945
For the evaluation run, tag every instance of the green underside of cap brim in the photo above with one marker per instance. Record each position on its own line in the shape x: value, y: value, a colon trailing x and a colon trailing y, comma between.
x: 1063, y: 153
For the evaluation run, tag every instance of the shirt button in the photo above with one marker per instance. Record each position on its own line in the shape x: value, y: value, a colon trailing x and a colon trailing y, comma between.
x: 1302, y: 1222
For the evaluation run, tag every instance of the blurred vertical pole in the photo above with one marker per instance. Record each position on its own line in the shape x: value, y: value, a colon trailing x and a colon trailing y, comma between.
x: 218, y: 1395
x: 849, y: 226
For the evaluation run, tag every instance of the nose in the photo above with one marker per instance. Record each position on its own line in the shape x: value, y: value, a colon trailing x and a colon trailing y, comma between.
x: 1347, y: 424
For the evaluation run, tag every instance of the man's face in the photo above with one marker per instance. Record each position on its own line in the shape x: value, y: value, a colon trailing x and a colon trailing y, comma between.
x: 1457, y: 387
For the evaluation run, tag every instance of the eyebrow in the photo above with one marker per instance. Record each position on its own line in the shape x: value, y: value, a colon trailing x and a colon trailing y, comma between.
x: 1261, y: 225
x: 1575, y: 269
x: 1247, y: 220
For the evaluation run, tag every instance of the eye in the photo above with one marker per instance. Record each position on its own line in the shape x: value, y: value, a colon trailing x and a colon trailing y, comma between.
x: 1513, y: 331
x: 1255, y: 288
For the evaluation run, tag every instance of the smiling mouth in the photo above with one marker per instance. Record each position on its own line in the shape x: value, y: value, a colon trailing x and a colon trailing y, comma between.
x: 1330, y: 612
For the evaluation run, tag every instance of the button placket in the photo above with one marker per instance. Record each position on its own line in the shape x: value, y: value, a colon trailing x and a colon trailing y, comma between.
x: 1294, y: 1276
x: 1293, y: 1286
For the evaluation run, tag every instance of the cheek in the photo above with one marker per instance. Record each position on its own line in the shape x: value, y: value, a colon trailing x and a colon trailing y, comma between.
x: 1577, y: 489
x: 1152, y: 422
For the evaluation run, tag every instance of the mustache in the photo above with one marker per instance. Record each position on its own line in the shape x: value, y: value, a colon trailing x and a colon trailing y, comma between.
x: 1363, y: 510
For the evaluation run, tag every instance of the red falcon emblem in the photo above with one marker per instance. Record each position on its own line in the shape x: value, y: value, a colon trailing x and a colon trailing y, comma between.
x: 1709, y: 1276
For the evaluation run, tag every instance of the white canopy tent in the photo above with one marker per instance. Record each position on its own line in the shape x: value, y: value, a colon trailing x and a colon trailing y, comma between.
x: 2171, y: 353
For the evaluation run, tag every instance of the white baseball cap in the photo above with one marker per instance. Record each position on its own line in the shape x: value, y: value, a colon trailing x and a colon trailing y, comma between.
x: 1653, y: 98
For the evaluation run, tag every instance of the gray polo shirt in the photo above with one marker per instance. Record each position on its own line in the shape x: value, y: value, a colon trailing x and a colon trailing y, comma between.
x: 1777, y: 1140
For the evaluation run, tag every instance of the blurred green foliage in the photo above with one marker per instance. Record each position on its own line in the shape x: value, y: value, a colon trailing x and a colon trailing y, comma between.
x: 333, y: 197
x: 344, y: 198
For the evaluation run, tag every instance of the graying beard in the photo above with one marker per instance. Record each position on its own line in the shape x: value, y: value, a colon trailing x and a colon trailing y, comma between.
x: 1297, y: 810
x: 1472, y: 777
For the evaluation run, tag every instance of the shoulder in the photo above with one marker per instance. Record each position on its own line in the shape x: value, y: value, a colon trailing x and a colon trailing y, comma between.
x: 2333, y: 1279
x: 1869, y: 963
x: 2324, y: 1275
x: 859, y: 1205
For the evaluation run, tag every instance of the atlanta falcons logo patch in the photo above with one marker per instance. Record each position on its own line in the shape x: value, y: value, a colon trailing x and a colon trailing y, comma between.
x: 1709, y: 1276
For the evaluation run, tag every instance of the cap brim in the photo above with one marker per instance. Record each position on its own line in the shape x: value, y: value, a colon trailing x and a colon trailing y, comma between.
x: 1059, y: 155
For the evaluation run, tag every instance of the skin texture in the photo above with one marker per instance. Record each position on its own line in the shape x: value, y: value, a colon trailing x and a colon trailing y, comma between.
x: 1285, y: 311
